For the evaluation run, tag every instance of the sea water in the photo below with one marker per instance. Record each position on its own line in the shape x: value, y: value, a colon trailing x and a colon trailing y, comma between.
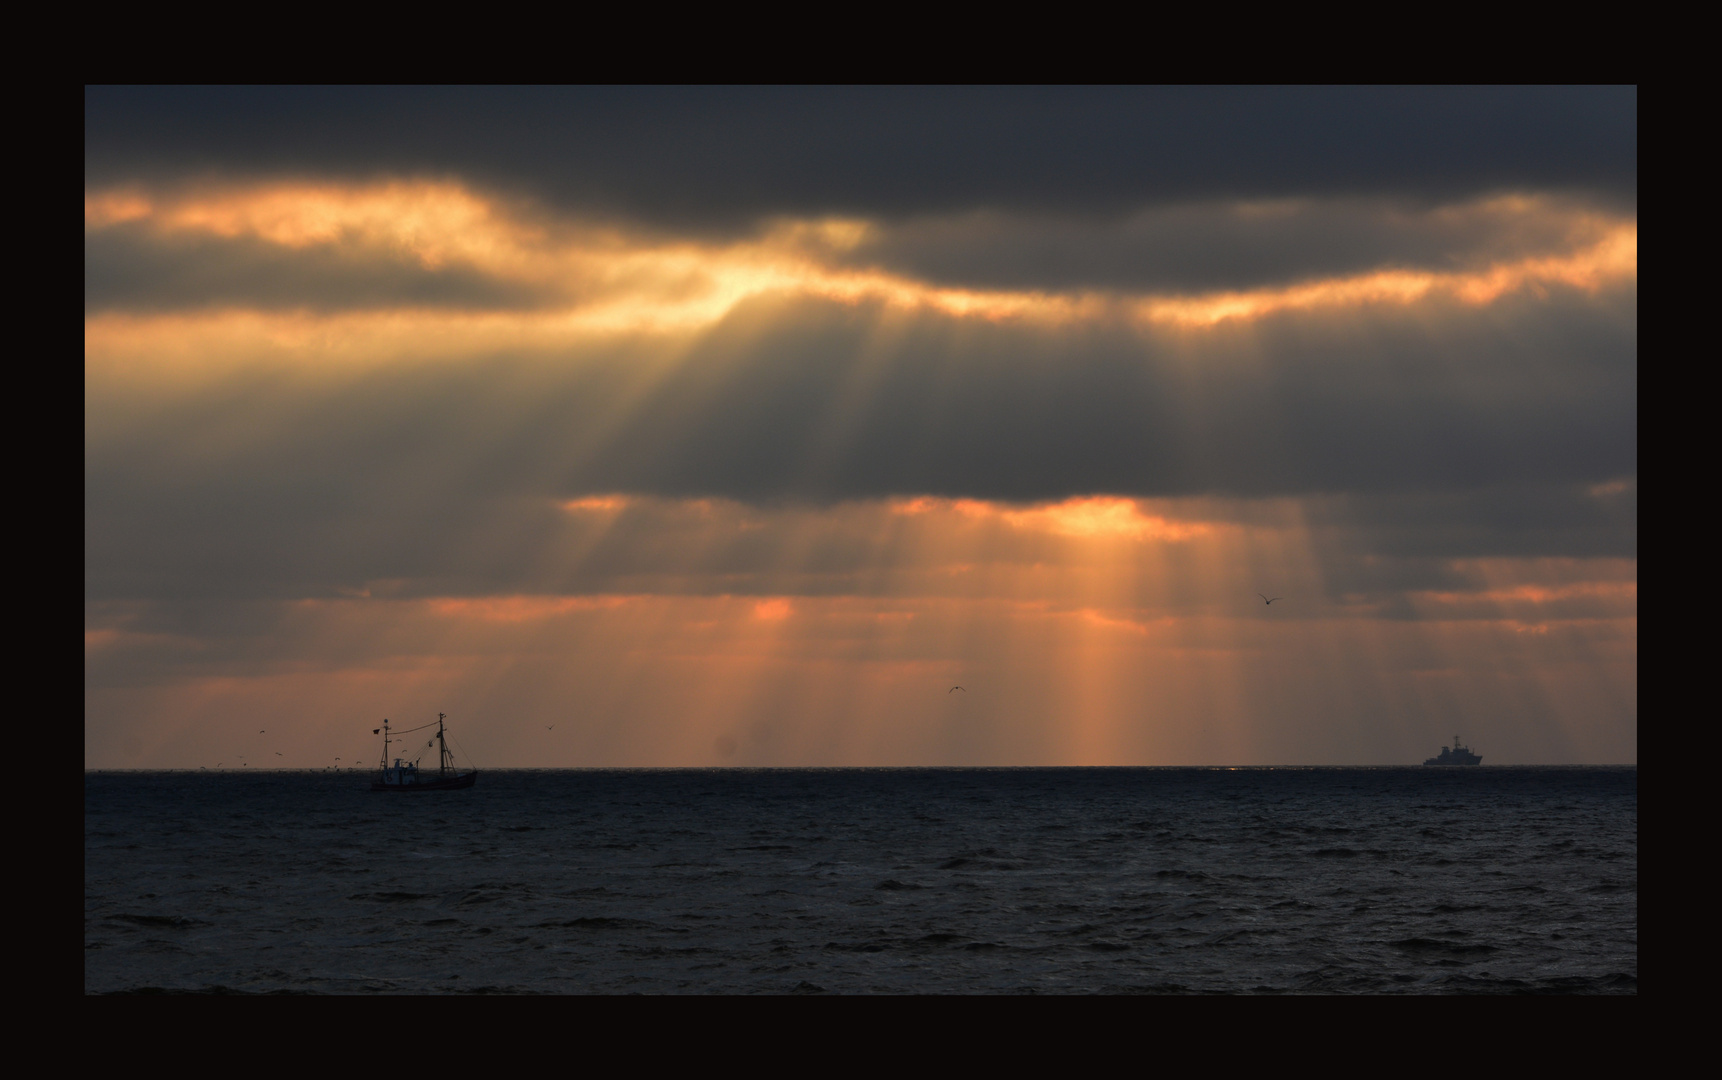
x: 866, y: 881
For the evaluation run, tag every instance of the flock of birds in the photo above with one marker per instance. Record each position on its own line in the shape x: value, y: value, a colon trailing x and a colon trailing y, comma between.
x: 246, y: 764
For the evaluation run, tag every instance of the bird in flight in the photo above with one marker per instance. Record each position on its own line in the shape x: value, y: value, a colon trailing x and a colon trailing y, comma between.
x: 277, y: 753
x: 552, y: 727
x: 954, y: 689
x: 1266, y: 599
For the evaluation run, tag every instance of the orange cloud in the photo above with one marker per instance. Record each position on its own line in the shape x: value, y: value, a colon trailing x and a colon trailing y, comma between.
x: 1086, y: 517
x: 1530, y: 608
x: 103, y: 209
x: 617, y: 282
x: 605, y: 504
x: 1610, y: 260
x: 514, y: 609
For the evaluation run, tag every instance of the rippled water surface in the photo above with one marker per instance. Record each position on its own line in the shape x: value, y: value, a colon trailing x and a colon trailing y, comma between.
x: 1482, y: 880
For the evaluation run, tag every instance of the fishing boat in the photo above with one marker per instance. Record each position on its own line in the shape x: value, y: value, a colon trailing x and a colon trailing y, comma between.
x: 406, y: 775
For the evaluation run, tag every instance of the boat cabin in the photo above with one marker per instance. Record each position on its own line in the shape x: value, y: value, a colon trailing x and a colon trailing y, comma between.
x: 403, y: 772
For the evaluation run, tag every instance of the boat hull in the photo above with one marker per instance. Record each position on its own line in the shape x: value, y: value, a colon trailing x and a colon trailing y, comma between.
x: 439, y: 783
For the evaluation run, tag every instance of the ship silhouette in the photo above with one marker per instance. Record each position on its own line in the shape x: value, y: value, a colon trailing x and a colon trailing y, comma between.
x: 406, y: 775
x: 1455, y: 755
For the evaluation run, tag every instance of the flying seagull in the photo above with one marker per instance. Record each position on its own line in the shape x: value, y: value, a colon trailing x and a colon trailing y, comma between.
x: 552, y: 727
x: 1266, y: 599
x: 954, y: 689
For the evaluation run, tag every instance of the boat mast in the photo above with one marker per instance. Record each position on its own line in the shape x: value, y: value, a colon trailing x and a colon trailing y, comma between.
x: 443, y: 765
x: 385, y: 743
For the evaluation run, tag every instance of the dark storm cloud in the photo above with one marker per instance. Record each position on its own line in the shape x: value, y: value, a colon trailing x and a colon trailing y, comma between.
x: 135, y: 268
x: 724, y: 157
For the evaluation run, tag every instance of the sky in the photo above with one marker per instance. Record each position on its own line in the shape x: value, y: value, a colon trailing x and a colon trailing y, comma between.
x: 738, y: 426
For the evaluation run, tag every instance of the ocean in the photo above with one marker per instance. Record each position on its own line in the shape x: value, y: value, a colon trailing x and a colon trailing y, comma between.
x: 1482, y: 880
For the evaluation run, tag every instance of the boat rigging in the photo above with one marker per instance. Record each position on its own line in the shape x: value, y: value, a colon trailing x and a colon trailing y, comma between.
x: 406, y: 775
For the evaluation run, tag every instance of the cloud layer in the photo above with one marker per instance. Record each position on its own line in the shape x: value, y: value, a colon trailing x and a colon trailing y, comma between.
x: 719, y: 158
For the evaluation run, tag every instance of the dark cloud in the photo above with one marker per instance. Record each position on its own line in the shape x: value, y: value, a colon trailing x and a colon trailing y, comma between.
x: 804, y: 403
x: 1177, y: 250
x: 1569, y: 521
x: 1478, y: 433
x: 131, y: 267
x: 1375, y: 549
x: 723, y: 157
x: 1220, y: 246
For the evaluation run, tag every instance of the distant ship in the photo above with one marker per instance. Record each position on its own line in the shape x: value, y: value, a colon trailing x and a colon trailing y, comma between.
x: 406, y: 775
x: 1455, y: 755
